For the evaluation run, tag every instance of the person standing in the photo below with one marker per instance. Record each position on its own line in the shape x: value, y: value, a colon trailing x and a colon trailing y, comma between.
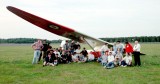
x: 72, y: 46
x: 66, y: 47
x: 128, y: 48
x: 76, y: 46
x: 44, y: 51
x: 119, y: 45
x: 115, y: 48
x: 104, y: 48
x: 37, y: 46
x: 136, y: 50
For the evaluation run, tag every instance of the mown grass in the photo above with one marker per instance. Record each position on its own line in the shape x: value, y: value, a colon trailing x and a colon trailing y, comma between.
x: 16, y: 68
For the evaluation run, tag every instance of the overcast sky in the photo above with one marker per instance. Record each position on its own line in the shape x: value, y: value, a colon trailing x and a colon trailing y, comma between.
x: 97, y: 18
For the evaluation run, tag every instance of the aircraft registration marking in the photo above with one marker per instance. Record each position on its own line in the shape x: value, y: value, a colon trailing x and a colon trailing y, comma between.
x: 54, y: 27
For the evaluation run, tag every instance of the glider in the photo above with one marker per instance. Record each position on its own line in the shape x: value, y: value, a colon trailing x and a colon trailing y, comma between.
x: 58, y: 29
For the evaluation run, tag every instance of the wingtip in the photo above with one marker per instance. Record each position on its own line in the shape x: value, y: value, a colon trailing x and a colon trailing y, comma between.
x: 8, y: 7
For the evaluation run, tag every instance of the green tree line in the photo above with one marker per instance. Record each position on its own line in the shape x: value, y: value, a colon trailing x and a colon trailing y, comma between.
x: 132, y: 39
x: 25, y: 40
x: 122, y: 39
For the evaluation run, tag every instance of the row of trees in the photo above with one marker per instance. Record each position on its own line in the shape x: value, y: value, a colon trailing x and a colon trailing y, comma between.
x: 132, y: 39
x: 122, y: 39
x: 25, y: 40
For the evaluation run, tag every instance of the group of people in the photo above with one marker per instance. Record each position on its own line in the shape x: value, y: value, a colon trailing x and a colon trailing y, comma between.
x: 113, y: 56
x: 71, y: 52
x: 67, y: 53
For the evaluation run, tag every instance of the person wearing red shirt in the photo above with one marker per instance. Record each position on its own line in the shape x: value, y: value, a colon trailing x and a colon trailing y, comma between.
x: 128, y: 48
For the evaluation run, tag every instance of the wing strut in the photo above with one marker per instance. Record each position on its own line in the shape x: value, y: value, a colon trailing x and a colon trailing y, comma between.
x: 90, y: 45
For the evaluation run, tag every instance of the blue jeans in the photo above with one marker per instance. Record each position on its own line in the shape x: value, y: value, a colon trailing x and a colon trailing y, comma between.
x: 110, y: 65
x: 36, y: 56
x: 123, y: 63
x: 104, y: 63
x: 99, y: 59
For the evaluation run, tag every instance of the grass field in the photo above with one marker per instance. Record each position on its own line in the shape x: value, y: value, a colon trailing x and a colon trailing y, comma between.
x: 16, y: 68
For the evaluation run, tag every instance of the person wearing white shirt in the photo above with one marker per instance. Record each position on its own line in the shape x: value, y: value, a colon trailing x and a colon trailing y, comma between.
x: 78, y: 53
x: 57, y: 52
x: 127, y: 60
x: 110, y: 60
x: 91, y: 57
x: 104, y: 48
x: 136, y: 49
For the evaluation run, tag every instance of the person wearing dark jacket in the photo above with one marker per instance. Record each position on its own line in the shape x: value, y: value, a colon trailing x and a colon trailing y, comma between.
x: 57, y: 60
x: 48, y: 60
x: 64, y: 57
x: 84, y: 54
x: 69, y: 57
x: 44, y: 49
